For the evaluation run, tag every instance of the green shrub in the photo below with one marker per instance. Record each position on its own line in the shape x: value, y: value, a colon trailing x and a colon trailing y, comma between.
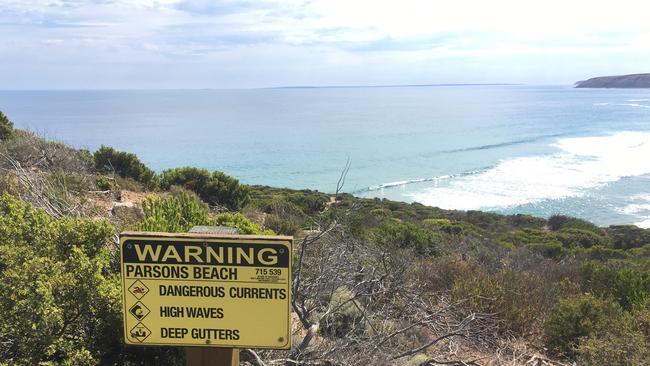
x: 282, y: 225
x: 580, y: 238
x: 558, y: 222
x: 216, y: 188
x: 174, y: 214
x: 640, y: 252
x: 602, y: 254
x: 6, y: 127
x: 407, y: 235
x: 536, y: 240
x: 105, y: 184
x: 628, y: 286
x: 60, y: 300
x: 614, y: 347
x: 519, y: 298
x: 57, y: 304
x: 178, y: 214
x: 239, y: 221
x: 450, y: 227
x: 594, y: 331
x: 380, y: 213
x: 629, y: 236
x: 553, y: 250
x: 526, y: 221
x: 521, y: 238
x: 307, y: 202
x: 578, y: 317
x: 555, y: 244
x: 126, y: 165
x: 283, y: 216
x: 485, y: 220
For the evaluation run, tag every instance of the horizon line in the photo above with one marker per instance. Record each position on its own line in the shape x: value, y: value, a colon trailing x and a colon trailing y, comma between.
x: 289, y: 87
x: 388, y: 85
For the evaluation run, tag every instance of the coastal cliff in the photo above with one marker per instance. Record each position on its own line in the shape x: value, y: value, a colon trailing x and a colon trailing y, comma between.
x: 620, y: 81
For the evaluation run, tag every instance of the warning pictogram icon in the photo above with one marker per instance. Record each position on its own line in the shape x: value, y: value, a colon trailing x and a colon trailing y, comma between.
x: 138, y: 289
x: 139, y: 311
x: 139, y: 332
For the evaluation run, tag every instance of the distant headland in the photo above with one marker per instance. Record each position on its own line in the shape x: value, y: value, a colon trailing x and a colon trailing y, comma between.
x: 620, y: 81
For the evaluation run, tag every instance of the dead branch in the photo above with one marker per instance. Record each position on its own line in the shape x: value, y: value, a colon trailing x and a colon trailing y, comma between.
x: 40, y: 192
x: 433, y: 361
x: 253, y: 356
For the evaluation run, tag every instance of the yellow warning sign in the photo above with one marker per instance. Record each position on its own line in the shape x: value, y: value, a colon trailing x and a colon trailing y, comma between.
x: 206, y: 290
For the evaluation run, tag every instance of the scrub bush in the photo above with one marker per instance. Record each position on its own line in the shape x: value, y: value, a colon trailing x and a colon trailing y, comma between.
x: 617, y: 347
x: 239, y: 221
x: 282, y: 225
x: 629, y: 236
x: 174, y: 214
x: 60, y: 300
x: 105, y: 184
x: 407, y: 235
x: 535, y: 240
x: 558, y: 222
x: 576, y: 318
x: 178, y: 214
x: 56, y: 302
x: 581, y: 238
x: 516, y: 296
x: 451, y: 227
x: 216, y: 188
x: 34, y: 152
x: 628, y: 286
x: 308, y: 202
x: 6, y: 127
x: 126, y: 165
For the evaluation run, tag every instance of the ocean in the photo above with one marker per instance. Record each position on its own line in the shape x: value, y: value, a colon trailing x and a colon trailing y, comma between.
x: 540, y: 150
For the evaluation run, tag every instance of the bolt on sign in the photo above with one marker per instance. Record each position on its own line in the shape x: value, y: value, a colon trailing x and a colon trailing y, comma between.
x: 206, y: 290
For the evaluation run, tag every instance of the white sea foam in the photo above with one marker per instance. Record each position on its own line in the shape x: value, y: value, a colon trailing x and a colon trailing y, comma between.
x: 638, y: 100
x: 404, y: 183
x: 581, y: 164
x: 397, y: 184
x: 639, y: 207
x: 639, y: 204
x: 635, y: 208
x: 634, y: 105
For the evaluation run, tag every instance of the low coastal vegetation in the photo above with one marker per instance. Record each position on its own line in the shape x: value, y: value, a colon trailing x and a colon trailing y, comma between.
x: 377, y: 282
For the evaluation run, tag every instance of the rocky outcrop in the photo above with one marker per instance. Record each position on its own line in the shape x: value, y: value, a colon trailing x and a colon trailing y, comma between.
x: 621, y: 81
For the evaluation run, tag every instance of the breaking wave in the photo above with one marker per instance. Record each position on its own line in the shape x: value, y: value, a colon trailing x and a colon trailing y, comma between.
x: 581, y: 163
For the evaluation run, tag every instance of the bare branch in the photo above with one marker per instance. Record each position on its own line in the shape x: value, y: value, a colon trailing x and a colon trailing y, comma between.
x: 254, y: 356
x: 342, y: 177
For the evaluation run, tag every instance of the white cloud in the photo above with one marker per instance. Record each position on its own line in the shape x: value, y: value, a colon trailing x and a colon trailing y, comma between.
x: 362, y: 40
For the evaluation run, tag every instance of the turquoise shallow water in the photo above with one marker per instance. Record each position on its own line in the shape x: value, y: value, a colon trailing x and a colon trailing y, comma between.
x: 538, y: 150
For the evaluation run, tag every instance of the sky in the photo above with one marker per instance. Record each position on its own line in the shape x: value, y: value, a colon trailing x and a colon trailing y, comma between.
x: 144, y: 44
